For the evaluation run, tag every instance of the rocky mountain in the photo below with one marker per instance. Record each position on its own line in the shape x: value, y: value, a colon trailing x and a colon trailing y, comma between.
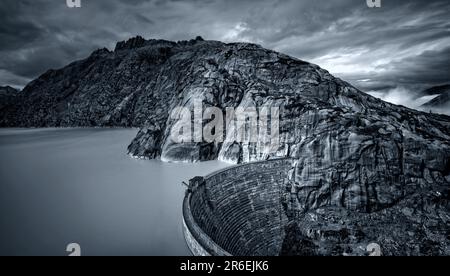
x: 7, y: 96
x: 353, y: 152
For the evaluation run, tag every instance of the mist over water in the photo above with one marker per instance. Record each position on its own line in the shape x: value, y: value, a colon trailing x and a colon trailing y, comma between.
x: 409, y: 98
x: 61, y: 186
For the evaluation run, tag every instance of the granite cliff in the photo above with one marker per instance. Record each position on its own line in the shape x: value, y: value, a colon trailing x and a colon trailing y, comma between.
x: 353, y: 151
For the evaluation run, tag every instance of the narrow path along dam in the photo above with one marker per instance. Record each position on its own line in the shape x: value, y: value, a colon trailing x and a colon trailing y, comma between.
x: 237, y: 211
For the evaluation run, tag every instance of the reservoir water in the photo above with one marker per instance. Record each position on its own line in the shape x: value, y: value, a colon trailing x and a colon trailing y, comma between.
x: 62, y: 186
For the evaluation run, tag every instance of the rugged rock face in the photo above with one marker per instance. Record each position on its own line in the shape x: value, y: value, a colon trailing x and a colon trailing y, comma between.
x: 416, y: 226
x: 354, y: 152
x: 7, y: 96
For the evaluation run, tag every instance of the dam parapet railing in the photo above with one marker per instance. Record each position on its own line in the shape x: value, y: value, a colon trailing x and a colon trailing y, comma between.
x: 213, y: 224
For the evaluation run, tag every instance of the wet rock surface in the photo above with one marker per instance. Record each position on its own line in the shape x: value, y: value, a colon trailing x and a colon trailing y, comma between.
x: 376, y: 166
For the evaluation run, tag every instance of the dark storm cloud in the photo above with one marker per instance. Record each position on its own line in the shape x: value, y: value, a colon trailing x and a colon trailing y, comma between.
x: 15, y: 31
x: 404, y: 43
x: 426, y: 69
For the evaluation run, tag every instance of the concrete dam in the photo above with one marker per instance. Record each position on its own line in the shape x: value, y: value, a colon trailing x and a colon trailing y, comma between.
x: 238, y: 211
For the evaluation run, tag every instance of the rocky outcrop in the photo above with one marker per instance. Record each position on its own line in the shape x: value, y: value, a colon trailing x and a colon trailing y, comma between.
x: 417, y: 226
x: 8, y: 96
x: 352, y: 151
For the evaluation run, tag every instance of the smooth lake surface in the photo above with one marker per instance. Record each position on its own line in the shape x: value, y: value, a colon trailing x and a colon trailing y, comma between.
x: 62, y: 186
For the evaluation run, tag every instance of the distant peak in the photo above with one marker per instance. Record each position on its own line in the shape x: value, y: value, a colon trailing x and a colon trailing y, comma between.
x: 139, y: 42
x: 8, y: 90
x: 135, y: 42
x: 100, y: 51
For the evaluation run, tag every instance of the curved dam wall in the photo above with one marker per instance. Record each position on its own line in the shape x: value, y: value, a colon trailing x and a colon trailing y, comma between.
x: 237, y: 211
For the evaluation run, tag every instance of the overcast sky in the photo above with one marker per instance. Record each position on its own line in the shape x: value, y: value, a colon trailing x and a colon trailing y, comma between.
x: 405, y: 43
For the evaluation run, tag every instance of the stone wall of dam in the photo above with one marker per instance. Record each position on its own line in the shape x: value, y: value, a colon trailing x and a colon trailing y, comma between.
x: 238, y: 211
